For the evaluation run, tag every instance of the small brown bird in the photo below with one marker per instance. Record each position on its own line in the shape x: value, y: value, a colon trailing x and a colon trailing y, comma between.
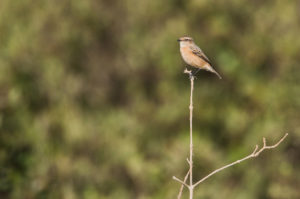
x: 194, y: 56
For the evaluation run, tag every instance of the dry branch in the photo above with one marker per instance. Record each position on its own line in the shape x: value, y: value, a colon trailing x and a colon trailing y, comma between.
x: 254, y: 154
x: 189, y: 174
x: 182, y: 185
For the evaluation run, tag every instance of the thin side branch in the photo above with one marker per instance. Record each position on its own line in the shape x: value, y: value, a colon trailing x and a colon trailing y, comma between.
x: 188, y: 161
x: 182, y: 182
x: 254, y: 154
x: 269, y: 147
x: 182, y: 186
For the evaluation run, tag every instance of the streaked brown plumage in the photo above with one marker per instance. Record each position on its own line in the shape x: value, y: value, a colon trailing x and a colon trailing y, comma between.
x: 194, y: 56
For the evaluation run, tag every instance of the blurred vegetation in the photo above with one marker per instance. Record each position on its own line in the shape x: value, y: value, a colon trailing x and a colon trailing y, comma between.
x: 94, y: 102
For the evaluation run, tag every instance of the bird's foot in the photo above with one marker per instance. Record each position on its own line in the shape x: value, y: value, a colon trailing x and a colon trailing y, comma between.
x: 192, y: 76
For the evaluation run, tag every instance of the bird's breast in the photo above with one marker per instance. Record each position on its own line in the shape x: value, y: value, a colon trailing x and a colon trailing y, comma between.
x: 191, y: 59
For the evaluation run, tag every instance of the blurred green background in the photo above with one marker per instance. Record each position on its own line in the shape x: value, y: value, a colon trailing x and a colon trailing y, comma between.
x: 94, y: 102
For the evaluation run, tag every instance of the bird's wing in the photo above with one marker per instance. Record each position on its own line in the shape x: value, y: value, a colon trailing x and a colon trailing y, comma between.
x: 197, y: 51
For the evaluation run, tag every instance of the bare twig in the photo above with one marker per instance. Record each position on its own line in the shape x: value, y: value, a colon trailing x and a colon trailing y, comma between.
x: 188, y: 161
x: 252, y: 155
x: 269, y: 147
x: 189, y: 174
x: 183, y: 183
x: 191, y: 133
x: 182, y: 186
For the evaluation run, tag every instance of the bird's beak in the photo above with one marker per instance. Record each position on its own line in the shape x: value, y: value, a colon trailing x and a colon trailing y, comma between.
x: 178, y: 40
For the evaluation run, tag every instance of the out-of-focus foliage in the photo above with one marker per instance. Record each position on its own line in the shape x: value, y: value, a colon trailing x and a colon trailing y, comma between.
x: 94, y: 104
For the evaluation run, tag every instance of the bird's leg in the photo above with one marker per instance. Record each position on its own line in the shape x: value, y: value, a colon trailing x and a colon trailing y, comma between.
x: 191, y: 74
x: 196, y: 71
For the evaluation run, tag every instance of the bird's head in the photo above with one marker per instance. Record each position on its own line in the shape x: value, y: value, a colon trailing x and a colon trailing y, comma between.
x: 185, y: 41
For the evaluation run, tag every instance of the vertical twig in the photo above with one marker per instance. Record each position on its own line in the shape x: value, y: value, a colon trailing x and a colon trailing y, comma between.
x: 191, y: 188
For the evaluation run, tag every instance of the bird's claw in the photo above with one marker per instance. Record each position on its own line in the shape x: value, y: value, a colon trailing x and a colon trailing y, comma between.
x: 192, y: 76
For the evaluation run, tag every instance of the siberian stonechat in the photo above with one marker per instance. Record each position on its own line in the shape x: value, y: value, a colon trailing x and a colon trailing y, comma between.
x: 194, y: 56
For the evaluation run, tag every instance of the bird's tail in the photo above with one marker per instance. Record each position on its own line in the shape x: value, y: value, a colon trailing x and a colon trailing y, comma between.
x: 213, y: 71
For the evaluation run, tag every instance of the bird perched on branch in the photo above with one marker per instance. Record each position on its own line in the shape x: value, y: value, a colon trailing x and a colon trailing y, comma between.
x: 194, y: 56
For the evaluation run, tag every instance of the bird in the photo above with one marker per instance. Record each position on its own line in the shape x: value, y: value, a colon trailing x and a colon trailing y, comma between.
x: 193, y: 56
